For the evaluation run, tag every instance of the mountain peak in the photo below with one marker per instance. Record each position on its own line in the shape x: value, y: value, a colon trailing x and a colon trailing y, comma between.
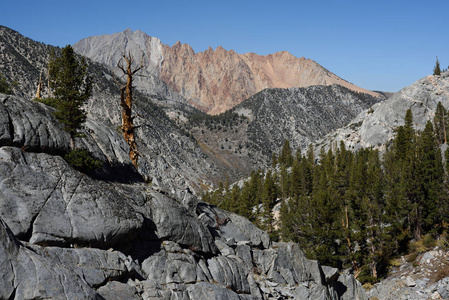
x: 217, y: 80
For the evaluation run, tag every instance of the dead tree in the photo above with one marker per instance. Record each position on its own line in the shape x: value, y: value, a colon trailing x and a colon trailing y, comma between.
x: 39, y: 87
x: 126, y: 102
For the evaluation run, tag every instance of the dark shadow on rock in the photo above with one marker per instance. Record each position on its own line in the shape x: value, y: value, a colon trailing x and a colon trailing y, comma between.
x: 339, y: 288
x: 205, y: 207
x: 146, y: 243
x: 119, y: 173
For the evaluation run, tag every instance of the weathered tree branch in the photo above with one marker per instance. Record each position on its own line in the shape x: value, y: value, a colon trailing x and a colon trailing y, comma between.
x: 126, y: 101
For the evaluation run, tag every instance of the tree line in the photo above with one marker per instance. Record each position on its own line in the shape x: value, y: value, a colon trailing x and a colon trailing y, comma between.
x: 353, y: 210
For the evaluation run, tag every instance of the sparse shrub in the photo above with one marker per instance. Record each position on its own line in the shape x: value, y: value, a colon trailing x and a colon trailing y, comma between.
x: 5, y: 88
x: 428, y: 241
x: 365, y: 277
x: 443, y: 241
x: 82, y: 160
x: 48, y: 101
x: 417, y: 246
x: 412, y: 257
x: 395, y: 262
x: 368, y: 286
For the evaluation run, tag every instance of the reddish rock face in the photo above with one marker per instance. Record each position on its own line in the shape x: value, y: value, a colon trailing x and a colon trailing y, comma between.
x: 214, y: 81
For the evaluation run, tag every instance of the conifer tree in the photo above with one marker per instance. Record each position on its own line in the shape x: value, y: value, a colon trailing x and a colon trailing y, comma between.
x: 430, y: 178
x: 284, y: 183
x: 71, y: 88
x: 436, y: 69
x: 440, y: 123
x: 245, y: 201
x: 269, y: 196
x: 286, y: 157
x: 296, y: 179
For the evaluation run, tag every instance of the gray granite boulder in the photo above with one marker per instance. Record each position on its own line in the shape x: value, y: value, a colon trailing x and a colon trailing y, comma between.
x: 95, y: 266
x: 27, y: 275
x: 46, y: 201
x: 231, y: 226
x: 31, y: 125
x: 174, y: 222
x: 115, y: 290
x: 230, y: 272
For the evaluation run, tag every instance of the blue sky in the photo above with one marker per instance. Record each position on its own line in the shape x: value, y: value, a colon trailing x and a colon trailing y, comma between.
x: 378, y: 45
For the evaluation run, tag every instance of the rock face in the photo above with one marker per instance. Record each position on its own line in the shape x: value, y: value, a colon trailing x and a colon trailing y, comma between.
x: 375, y: 127
x: 214, y: 80
x: 56, y: 224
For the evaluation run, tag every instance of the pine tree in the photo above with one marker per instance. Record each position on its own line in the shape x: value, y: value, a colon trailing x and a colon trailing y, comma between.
x: 398, y: 165
x: 269, y: 196
x: 286, y: 157
x: 430, y: 178
x: 439, y: 122
x: 436, y: 69
x: 245, y: 201
x: 72, y: 87
x: 284, y: 183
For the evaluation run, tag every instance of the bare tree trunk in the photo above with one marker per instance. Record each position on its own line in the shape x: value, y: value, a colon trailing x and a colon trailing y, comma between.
x: 126, y: 102
x: 39, y: 87
x: 373, y: 264
x: 346, y: 230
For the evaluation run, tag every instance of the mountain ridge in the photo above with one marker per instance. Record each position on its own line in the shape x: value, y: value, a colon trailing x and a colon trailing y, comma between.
x: 376, y: 127
x: 212, y: 80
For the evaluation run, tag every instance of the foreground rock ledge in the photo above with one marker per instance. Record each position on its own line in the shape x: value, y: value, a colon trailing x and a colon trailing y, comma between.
x: 173, y: 255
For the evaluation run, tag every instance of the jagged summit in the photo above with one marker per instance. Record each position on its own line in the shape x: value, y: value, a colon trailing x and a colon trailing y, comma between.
x: 212, y: 80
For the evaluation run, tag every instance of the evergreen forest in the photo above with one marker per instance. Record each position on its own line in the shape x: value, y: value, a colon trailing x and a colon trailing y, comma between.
x: 353, y: 210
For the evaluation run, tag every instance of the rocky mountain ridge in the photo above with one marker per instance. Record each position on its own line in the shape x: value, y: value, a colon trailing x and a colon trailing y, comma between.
x: 213, y: 80
x: 375, y: 127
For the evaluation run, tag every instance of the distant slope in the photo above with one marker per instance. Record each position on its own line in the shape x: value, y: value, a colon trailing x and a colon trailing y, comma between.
x: 22, y: 60
x: 375, y: 127
x: 300, y: 115
x: 212, y: 81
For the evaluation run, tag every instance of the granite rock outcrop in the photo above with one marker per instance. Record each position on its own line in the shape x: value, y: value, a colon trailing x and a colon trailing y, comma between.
x: 375, y: 126
x: 69, y: 235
